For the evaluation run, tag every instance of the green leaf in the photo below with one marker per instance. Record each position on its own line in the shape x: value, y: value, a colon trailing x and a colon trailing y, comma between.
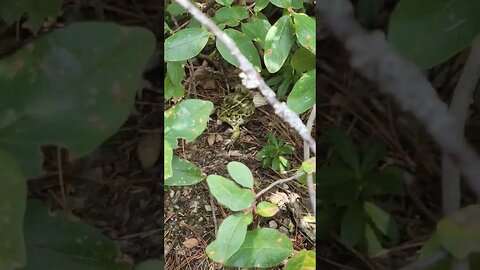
x: 175, y: 9
x: 458, y: 233
x: 305, y: 31
x: 166, y: 28
x: 334, y: 176
x: 37, y: 11
x: 372, y: 157
x: 260, y: 4
x: 282, y: 3
x: 176, y: 72
x: 57, y: 81
x: 13, y: 193
x: 353, y: 225
x: 345, y: 148
x: 257, y: 30
x: 184, y: 173
x: 278, y: 43
x: 187, y: 119
x: 373, y: 245
x: 151, y: 265
x: 229, y: 194
x: 185, y: 44
x: 173, y: 90
x: 303, y: 260
x: 231, y: 15
x: 257, y: 249
x: 244, y: 45
x: 230, y: 237
x: 308, y: 166
x: 302, y: 60
x: 429, y: 32
x: 382, y: 220
x: 302, y: 96
x: 60, y: 241
x: 167, y: 161
x: 387, y: 182
x: 224, y: 2
x: 240, y: 173
x: 266, y: 209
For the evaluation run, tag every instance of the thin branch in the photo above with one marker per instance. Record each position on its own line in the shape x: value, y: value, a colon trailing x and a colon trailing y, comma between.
x: 375, y: 59
x: 278, y: 182
x: 306, y: 155
x: 250, y: 77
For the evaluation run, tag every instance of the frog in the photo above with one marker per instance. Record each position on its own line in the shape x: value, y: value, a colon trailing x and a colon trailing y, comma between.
x: 237, y: 109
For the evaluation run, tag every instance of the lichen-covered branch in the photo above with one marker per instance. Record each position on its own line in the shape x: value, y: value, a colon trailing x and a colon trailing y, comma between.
x: 375, y: 59
x: 251, y: 78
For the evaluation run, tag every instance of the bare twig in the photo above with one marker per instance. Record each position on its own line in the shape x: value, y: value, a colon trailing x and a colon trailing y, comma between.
x: 251, y: 78
x: 306, y: 155
x: 375, y: 59
x: 278, y: 182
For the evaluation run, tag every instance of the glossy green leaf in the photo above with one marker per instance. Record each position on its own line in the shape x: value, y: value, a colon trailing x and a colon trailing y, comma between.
x: 244, y: 45
x: 151, y: 265
x: 373, y: 245
x: 185, y: 44
x: 383, y: 221
x: 282, y: 3
x: 305, y: 31
x: 240, y: 173
x: 173, y: 90
x: 176, y: 72
x: 231, y: 15
x: 303, y: 260
x: 345, y: 148
x: 353, y: 225
x: 167, y: 160
x: 229, y: 194
x: 224, y: 2
x: 257, y: 30
x: 184, y: 173
x: 260, y: 4
x: 302, y: 96
x: 187, y: 119
x: 37, y: 11
x: 63, y: 80
x: 278, y: 42
x: 60, y: 241
x: 308, y: 166
x: 230, y: 237
x: 258, y: 251
x: 175, y: 9
x: 303, y: 60
x: 266, y: 209
x: 429, y: 32
x: 373, y: 155
x: 459, y: 233
x: 13, y: 193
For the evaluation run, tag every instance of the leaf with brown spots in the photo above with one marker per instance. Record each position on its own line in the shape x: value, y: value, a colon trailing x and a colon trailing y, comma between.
x: 67, y: 92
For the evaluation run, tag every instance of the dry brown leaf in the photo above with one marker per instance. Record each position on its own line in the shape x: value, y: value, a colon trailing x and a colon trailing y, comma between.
x: 190, y: 243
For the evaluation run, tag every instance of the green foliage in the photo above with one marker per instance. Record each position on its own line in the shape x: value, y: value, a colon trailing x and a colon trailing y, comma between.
x: 37, y: 11
x: 274, y: 154
x: 303, y: 260
x: 430, y: 38
x: 184, y: 173
x: 231, y: 15
x: 13, y: 193
x: 266, y: 209
x: 278, y: 43
x: 349, y: 185
x: 302, y: 96
x: 234, y: 245
x: 240, y: 173
x: 54, y: 82
x: 245, y: 45
x: 58, y: 241
x: 185, y: 44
